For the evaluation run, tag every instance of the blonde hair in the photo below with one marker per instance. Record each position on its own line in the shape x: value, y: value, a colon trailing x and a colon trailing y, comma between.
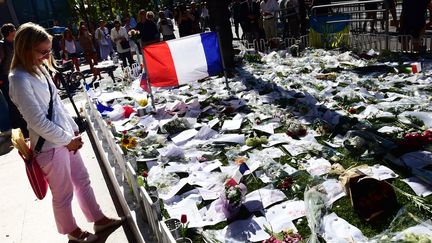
x: 28, y: 36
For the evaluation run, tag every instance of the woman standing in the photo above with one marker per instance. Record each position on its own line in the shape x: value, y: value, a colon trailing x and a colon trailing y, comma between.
x: 104, y: 40
x: 86, y: 43
x: 33, y: 92
x: 69, y: 48
x: 120, y: 36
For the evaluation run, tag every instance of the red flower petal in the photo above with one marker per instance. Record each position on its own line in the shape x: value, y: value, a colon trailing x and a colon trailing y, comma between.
x: 183, y: 219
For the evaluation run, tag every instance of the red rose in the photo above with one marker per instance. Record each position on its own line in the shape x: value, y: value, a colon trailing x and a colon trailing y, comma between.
x: 144, y: 173
x: 183, y: 219
x: 228, y: 110
x: 124, y: 132
x: 352, y: 110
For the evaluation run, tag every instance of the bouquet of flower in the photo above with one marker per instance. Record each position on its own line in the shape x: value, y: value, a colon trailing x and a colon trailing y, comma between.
x: 232, y: 198
x: 295, y: 129
x: 20, y: 144
x: 127, y: 142
x: 142, y: 179
x: 256, y: 141
x: 176, y: 125
x: 286, y: 236
x: 134, y: 35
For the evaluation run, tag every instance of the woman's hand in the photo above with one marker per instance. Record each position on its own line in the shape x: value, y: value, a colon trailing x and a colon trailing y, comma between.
x: 75, y: 144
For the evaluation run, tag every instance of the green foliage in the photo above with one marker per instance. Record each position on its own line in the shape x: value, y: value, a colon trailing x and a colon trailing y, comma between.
x: 253, y: 58
x: 93, y: 10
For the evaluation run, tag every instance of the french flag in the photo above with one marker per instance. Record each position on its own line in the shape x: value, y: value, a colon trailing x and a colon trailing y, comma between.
x: 180, y: 61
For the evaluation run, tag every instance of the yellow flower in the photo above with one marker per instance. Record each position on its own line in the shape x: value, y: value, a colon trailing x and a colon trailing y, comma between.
x: 142, y: 102
x: 132, y: 142
x: 240, y: 160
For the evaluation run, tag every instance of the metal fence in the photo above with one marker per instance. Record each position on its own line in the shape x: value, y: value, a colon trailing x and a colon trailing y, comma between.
x: 357, y: 42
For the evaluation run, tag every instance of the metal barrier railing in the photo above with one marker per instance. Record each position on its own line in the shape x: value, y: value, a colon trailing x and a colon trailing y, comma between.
x: 361, y: 12
x: 358, y: 42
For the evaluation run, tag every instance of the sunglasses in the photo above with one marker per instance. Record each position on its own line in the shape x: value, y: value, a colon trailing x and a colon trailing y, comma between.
x: 44, y: 53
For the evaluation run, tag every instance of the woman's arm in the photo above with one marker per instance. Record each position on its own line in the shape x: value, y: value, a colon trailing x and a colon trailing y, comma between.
x: 23, y: 96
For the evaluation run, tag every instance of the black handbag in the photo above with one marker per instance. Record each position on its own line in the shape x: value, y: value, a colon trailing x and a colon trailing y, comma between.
x: 124, y: 44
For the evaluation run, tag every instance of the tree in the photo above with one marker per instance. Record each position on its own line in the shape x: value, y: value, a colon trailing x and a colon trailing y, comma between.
x: 92, y: 11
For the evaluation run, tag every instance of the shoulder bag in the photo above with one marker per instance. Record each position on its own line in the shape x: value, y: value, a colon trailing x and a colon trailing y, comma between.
x: 35, y: 174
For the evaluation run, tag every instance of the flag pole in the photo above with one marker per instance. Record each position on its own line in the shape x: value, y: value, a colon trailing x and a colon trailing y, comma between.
x: 223, y: 61
x: 148, y: 80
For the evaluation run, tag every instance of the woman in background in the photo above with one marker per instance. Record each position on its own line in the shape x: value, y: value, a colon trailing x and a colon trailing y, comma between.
x: 69, y: 48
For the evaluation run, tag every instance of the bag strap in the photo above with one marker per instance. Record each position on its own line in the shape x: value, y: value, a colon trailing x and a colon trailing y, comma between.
x: 41, y: 140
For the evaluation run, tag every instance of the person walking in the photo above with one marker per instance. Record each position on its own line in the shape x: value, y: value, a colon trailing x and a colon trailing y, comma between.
x: 86, y: 43
x: 120, y: 37
x: 33, y: 92
x: 6, y: 53
x: 104, y: 40
x: 69, y: 49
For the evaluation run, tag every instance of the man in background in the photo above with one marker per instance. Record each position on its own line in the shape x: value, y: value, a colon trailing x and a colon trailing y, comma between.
x: 6, y: 53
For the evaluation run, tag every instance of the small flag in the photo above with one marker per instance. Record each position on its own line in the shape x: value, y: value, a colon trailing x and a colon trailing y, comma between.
x: 237, y: 176
x: 243, y: 168
x: 102, y: 108
x: 143, y: 83
x: 90, y: 91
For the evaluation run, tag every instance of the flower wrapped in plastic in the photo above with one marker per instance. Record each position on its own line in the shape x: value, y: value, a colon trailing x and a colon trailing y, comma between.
x: 134, y: 35
x: 232, y: 198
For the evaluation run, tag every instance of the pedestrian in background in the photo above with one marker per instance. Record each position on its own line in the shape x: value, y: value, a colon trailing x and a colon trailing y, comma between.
x: 120, y: 37
x: 86, y: 42
x: 148, y: 29
x: 269, y: 12
x: 32, y: 90
x: 185, y: 21
x: 204, y: 17
x: 69, y: 49
x: 413, y: 21
x: 249, y: 15
x: 104, y: 40
x: 235, y: 10
x: 6, y: 53
x: 165, y: 27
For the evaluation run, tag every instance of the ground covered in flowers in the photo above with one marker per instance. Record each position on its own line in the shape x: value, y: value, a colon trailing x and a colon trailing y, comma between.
x: 328, y: 146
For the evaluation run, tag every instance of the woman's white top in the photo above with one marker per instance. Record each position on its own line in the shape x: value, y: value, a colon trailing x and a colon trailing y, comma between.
x: 122, y: 32
x: 31, y: 95
x: 70, y: 46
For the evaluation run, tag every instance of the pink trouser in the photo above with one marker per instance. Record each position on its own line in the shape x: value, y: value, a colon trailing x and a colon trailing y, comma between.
x: 66, y: 173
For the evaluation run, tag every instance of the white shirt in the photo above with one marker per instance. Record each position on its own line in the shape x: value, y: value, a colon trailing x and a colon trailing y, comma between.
x: 204, y: 13
x: 31, y: 95
x: 271, y: 6
x: 123, y: 33
x: 167, y: 29
x: 70, y: 46
x: 102, y: 35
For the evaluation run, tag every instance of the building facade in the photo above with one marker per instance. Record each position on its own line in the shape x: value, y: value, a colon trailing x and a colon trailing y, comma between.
x: 43, y: 12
